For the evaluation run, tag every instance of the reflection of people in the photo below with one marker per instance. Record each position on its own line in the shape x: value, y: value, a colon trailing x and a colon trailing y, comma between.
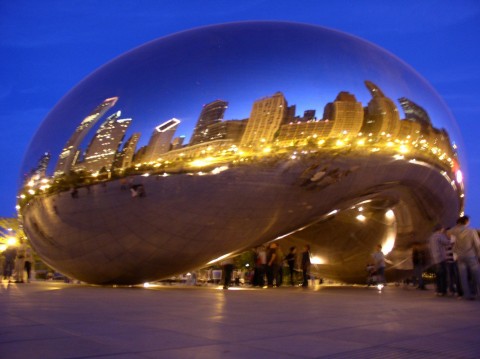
x: 137, y: 190
x: 379, y: 261
x: 74, y: 192
x: 419, y: 261
x: 290, y: 258
x: 371, y: 278
x: 305, y: 265
x: 467, y: 250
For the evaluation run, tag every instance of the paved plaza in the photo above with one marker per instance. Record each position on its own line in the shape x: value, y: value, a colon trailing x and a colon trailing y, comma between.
x: 57, y: 320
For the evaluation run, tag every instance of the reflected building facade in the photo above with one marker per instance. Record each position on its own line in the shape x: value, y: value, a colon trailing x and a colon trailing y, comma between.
x: 161, y: 140
x: 265, y: 118
x: 381, y: 114
x: 346, y: 113
x: 211, y: 114
x: 124, y: 159
x: 70, y: 152
x: 104, y: 147
x: 177, y: 142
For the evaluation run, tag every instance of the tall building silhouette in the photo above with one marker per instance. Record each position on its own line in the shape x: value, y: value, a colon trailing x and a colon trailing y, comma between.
x: 227, y: 130
x: 41, y: 169
x: 124, y: 159
x: 290, y: 114
x: 346, y: 113
x: 139, y: 156
x: 177, y: 142
x: 308, y: 115
x: 381, y: 114
x: 265, y: 119
x: 161, y: 140
x: 211, y: 113
x: 69, y: 153
x: 415, y: 113
x: 103, y: 148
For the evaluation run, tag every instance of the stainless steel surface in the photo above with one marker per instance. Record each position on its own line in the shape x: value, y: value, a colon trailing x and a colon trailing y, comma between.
x: 378, y: 160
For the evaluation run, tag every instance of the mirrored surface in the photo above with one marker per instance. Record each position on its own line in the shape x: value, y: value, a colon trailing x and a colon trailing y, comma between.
x: 215, y: 140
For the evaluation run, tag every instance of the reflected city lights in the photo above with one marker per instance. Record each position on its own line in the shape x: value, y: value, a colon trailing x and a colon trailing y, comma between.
x: 361, y: 218
x: 459, y: 176
x: 390, y: 214
x: 314, y: 259
x: 389, y: 243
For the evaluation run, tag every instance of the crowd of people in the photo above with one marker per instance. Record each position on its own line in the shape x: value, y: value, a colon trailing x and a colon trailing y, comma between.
x: 455, y: 254
x: 452, y: 253
x: 269, y: 262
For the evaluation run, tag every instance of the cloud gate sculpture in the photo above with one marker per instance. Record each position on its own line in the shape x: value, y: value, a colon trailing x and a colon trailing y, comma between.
x: 211, y: 141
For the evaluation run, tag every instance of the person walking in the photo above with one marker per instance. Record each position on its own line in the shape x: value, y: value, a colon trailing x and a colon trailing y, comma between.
x: 28, y: 262
x: 467, y: 250
x: 305, y: 265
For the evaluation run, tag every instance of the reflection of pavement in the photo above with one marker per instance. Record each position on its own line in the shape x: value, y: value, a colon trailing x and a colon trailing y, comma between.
x: 184, y: 221
x: 50, y: 320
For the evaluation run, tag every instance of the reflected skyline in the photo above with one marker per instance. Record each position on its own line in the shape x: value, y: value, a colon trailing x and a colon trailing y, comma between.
x: 321, y: 63
x: 346, y: 122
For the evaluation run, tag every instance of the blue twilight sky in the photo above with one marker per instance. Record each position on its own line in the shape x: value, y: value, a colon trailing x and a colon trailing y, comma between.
x: 48, y: 47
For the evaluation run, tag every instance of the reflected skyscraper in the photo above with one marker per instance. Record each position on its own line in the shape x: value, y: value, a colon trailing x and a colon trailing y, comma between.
x: 308, y: 115
x: 381, y: 114
x: 409, y: 130
x: 211, y: 113
x: 227, y: 130
x: 161, y: 140
x: 125, y: 157
x: 177, y: 142
x: 265, y: 118
x: 346, y: 113
x: 415, y: 112
x: 41, y: 169
x: 104, y: 146
x: 69, y: 153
